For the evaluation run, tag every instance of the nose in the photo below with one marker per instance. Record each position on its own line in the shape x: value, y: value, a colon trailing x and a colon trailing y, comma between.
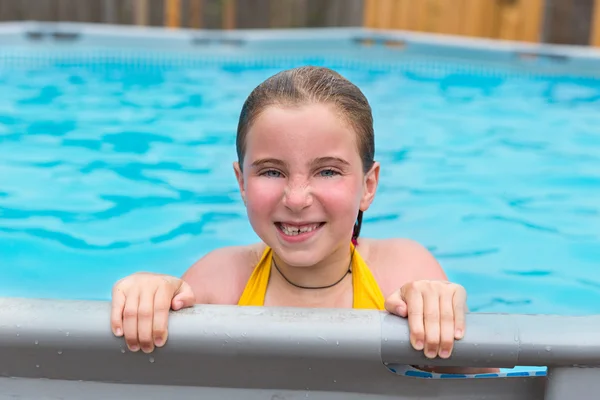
x: 297, y: 195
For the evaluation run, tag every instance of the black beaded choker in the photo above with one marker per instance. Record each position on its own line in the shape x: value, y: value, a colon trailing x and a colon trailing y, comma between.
x: 349, y: 271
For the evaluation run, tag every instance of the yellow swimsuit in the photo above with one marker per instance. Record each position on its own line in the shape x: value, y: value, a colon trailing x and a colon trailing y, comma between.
x: 366, y: 292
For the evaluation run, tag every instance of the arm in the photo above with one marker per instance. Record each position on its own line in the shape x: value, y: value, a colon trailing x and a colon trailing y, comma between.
x: 141, y: 302
x: 434, y: 307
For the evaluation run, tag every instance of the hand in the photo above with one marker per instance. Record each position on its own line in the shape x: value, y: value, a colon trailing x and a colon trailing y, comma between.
x: 140, y: 308
x: 436, y: 314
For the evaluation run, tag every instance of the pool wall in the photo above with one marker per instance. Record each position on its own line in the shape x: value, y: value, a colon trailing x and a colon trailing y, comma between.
x: 60, y: 40
x: 64, y: 349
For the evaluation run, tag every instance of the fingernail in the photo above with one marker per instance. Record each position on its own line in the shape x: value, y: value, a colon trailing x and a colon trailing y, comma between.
x: 459, y: 333
x: 134, y: 347
x: 400, y: 309
x: 146, y: 349
x: 430, y: 353
x: 178, y: 304
x: 445, y: 354
x: 118, y: 332
x: 419, y: 345
x: 159, y: 341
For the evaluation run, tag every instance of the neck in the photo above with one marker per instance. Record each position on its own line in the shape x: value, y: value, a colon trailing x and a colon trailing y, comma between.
x: 328, y: 273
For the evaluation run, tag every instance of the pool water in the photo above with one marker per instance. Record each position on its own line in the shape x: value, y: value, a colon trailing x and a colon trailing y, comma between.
x: 107, y: 171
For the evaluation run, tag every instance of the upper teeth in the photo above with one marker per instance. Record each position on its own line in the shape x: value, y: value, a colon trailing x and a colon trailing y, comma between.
x: 294, y: 230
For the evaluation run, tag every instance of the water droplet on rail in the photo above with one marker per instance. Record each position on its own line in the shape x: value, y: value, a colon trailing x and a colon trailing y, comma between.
x: 36, y: 342
x: 151, y: 359
x: 59, y: 352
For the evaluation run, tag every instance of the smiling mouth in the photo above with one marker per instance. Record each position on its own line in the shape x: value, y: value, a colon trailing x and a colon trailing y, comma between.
x: 295, y: 230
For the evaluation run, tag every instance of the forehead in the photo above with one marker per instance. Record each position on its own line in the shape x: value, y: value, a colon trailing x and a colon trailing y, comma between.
x: 313, y: 130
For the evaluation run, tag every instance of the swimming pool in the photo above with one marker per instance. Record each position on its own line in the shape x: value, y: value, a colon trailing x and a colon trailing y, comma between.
x: 115, y: 159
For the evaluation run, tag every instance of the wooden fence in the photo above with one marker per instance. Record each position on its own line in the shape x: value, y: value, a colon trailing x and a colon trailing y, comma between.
x: 204, y: 14
x: 554, y: 21
x: 512, y: 20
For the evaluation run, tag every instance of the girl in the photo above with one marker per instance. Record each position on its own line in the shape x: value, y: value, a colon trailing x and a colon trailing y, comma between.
x: 306, y: 173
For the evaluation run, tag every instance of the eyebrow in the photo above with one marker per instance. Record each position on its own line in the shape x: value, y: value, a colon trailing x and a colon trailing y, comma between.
x: 262, y: 161
x: 330, y: 160
x: 321, y: 160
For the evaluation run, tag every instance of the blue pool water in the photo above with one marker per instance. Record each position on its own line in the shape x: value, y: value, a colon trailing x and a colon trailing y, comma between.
x: 110, y: 169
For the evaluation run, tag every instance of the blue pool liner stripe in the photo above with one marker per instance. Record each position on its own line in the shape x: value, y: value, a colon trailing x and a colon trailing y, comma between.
x: 152, y: 59
x: 409, y: 371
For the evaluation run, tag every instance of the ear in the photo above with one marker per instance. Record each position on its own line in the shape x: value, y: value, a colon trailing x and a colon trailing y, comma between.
x: 239, y: 176
x: 370, y: 186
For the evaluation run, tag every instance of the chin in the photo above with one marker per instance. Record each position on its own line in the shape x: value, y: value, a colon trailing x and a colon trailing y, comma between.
x: 300, y: 258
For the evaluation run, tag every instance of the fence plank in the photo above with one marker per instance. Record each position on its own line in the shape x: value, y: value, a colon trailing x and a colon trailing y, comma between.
x: 173, y: 13
x: 509, y: 21
x: 531, y: 12
x: 401, y: 14
x: 595, y: 31
x: 349, y: 12
x: 253, y: 14
x: 299, y: 11
x: 109, y: 12
x: 332, y: 13
x: 38, y: 10
x: 448, y: 16
x: 473, y: 20
x: 196, y: 14
x: 420, y: 14
x: 370, y: 14
x: 140, y: 12
x: 228, y: 14
x: 384, y: 14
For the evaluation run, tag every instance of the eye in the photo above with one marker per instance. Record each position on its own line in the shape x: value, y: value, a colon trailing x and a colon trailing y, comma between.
x: 328, y: 173
x: 271, y: 173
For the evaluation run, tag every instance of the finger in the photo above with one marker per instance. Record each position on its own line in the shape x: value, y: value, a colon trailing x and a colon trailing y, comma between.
x: 446, y: 324
x: 184, y: 297
x: 146, y: 320
x: 395, y: 305
x: 116, y: 314
x: 162, y: 306
x: 414, y: 300
x: 459, y: 303
x: 130, y: 320
x: 431, y: 311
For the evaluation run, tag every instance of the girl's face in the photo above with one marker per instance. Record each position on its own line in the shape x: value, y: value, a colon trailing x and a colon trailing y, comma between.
x: 303, y: 182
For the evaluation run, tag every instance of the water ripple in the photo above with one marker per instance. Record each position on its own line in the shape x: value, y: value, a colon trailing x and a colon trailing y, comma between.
x: 517, y: 221
x: 134, y: 142
x: 65, y: 239
x: 467, y: 254
x: 110, y: 168
x: 195, y: 228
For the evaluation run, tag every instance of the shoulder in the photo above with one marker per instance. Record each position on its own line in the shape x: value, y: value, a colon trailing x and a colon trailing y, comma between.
x: 220, y: 276
x: 397, y: 261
